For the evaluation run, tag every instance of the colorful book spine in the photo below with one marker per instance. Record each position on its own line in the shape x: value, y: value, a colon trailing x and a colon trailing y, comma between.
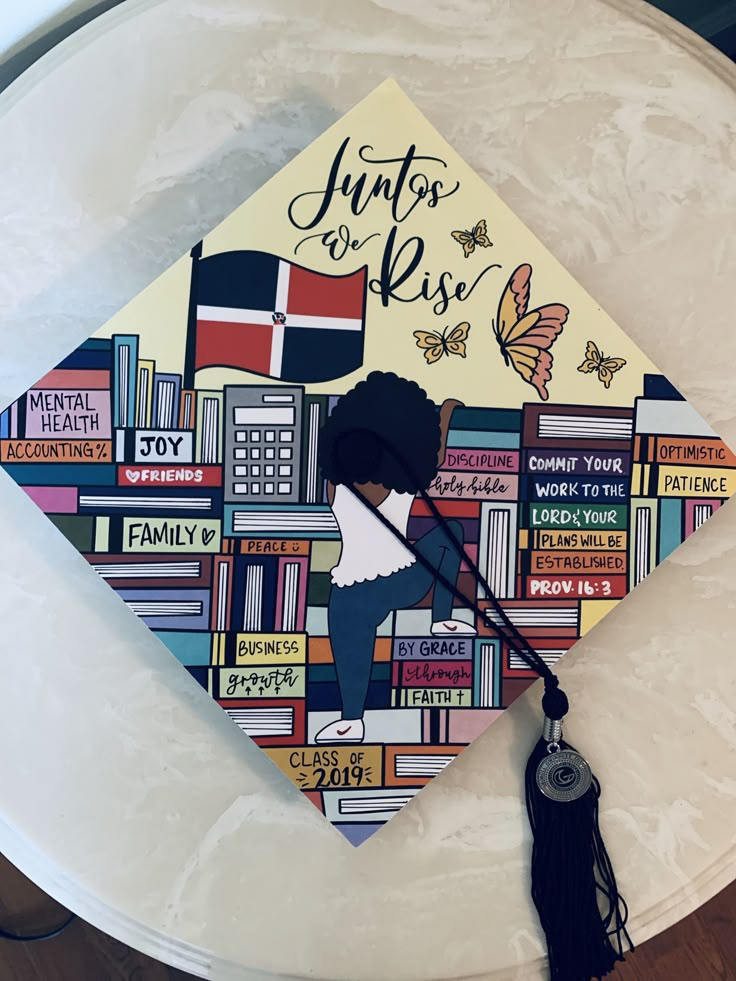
x: 498, y: 547
x: 307, y: 521
x: 166, y: 511
x: 474, y: 486
x: 315, y: 410
x: 550, y: 649
x: 254, y: 593
x: 169, y: 609
x: 18, y: 417
x: 49, y: 474
x: 208, y: 413
x: 96, y: 353
x: 670, y: 417
x: 291, y: 597
x: 188, y: 407
x: 432, y: 674
x: 269, y: 721
x: 696, y: 513
x: 190, y: 647
x: 53, y: 413
x: 660, y: 480
x: 545, y: 618
x: 77, y: 529
x: 222, y: 593
x: 577, y: 428
x: 144, y: 397
x: 484, y: 428
x: 487, y: 690
x: 125, y: 377
x: 165, y: 406
x: 683, y: 451
x: 130, y: 571
x: 333, y: 770
x: 75, y: 378
x: 415, y: 765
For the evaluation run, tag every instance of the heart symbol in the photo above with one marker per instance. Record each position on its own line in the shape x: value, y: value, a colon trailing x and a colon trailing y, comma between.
x: 207, y: 535
x: 133, y: 476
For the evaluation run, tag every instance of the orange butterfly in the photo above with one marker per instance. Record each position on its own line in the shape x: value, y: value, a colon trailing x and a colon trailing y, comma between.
x: 596, y: 361
x: 469, y: 238
x: 525, y: 336
x: 435, y: 344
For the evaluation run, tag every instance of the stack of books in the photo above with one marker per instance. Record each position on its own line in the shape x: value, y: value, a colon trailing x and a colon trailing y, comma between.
x: 683, y: 472
x: 563, y: 508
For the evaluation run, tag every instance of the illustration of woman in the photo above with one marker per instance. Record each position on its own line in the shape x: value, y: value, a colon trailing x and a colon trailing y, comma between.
x: 386, y: 438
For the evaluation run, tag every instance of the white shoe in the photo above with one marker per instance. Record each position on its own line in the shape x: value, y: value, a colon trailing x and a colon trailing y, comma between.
x: 452, y: 628
x: 347, y: 731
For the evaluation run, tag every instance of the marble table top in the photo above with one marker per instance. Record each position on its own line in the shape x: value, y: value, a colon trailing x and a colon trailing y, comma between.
x: 126, y: 792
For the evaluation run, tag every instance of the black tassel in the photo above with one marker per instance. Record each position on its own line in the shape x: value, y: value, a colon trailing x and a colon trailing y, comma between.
x: 573, y: 884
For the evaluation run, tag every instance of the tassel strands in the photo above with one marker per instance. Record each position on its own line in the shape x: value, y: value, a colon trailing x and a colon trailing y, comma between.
x: 573, y: 884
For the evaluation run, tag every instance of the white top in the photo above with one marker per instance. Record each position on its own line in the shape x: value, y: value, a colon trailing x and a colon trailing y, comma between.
x: 369, y: 549
x: 113, y: 811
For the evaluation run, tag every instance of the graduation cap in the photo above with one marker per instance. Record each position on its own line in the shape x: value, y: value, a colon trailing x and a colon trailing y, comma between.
x: 376, y: 464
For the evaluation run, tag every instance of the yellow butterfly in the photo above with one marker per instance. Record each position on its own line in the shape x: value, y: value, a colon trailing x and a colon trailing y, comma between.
x: 435, y: 344
x: 595, y: 361
x: 478, y: 235
x: 525, y: 336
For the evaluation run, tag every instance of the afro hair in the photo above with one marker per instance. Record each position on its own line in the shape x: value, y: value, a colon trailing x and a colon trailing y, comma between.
x: 385, y: 431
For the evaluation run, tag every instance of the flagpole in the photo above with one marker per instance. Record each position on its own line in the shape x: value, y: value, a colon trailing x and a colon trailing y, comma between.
x: 190, y: 350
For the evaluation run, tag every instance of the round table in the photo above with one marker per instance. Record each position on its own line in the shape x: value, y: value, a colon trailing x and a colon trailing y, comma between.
x: 30, y: 29
x: 126, y: 793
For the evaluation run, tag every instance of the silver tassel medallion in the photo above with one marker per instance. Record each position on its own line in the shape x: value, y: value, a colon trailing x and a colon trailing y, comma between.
x: 562, y: 775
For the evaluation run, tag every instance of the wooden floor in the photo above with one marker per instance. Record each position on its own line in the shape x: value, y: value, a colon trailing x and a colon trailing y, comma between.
x: 701, y: 948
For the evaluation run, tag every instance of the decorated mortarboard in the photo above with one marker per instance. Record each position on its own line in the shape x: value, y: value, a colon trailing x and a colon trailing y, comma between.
x: 368, y: 461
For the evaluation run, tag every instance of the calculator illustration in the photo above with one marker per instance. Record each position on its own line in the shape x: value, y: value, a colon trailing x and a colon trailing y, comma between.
x: 263, y: 437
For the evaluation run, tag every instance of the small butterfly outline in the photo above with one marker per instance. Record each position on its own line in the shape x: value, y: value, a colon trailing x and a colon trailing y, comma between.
x: 478, y: 235
x: 525, y: 336
x: 434, y: 344
x: 596, y: 361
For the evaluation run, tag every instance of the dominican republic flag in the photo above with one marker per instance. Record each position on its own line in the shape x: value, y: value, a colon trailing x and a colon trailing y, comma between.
x: 261, y: 313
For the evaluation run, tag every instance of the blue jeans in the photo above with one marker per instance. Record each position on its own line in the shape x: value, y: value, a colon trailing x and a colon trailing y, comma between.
x: 354, y: 612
